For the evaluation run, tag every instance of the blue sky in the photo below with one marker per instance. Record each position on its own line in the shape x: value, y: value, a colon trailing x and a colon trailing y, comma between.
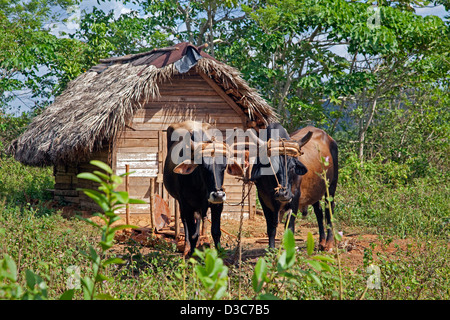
x: 120, y: 8
x: 74, y: 14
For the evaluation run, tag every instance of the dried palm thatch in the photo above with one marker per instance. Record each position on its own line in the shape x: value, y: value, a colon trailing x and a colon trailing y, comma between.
x: 99, y: 103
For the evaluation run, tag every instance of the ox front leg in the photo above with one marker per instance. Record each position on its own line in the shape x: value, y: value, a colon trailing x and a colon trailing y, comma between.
x: 272, y: 231
x: 272, y: 223
x: 191, y: 235
x: 216, y: 213
x: 203, y: 232
x: 187, y: 246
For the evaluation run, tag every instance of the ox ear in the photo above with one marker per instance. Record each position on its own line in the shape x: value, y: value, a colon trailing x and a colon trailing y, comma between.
x: 305, y: 139
x: 235, y: 169
x: 186, y: 167
x: 299, y: 168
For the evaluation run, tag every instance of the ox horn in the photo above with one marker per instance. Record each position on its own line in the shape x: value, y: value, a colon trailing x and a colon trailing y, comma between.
x: 305, y: 139
x: 239, y: 147
x: 211, y: 148
x: 255, y: 138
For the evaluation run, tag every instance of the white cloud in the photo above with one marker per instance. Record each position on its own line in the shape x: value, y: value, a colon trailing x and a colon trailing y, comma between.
x: 74, y: 14
x: 438, y: 11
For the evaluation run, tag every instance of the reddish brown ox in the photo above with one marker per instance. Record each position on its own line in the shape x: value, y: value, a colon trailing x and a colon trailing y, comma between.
x: 312, y: 186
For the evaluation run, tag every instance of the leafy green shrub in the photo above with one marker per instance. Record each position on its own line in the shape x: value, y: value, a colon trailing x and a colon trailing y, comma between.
x: 10, y: 289
x: 377, y: 170
x: 292, y: 276
x: 22, y: 184
x: 416, y: 272
x: 45, y: 244
x: 11, y: 127
x: 385, y: 197
x: 213, y: 274
x: 109, y: 200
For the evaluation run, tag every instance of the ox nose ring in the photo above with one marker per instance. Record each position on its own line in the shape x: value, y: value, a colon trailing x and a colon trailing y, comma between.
x: 282, y: 194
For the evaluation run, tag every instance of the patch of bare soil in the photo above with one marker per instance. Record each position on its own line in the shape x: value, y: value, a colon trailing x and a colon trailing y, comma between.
x: 254, y: 238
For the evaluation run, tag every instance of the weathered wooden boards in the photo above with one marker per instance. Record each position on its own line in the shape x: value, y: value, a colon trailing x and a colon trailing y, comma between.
x: 142, y: 144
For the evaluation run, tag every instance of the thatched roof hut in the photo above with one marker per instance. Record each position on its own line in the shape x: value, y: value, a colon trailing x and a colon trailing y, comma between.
x: 119, y: 110
x: 99, y: 103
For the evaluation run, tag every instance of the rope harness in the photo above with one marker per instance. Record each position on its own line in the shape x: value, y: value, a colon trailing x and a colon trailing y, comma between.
x: 287, y: 148
x: 209, y: 149
x: 283, y: 147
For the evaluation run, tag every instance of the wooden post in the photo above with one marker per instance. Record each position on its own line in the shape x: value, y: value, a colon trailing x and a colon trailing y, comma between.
x: 251, y: 212
x: 152, y: 203
x: 127, y: 189
x: 177, y: 219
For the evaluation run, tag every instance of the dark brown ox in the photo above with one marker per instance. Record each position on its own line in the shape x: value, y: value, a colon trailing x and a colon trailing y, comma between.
x: 312, y: 186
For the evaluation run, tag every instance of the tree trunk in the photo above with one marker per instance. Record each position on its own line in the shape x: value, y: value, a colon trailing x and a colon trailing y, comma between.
x: 211, y: 14
x: 187, y: 20
x: 365, y: 127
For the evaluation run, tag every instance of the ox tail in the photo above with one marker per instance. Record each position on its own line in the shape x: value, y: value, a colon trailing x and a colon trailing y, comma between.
x: 334, y: 155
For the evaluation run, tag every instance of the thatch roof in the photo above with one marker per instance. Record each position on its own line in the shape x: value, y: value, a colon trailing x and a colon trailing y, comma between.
x: 99, y: 103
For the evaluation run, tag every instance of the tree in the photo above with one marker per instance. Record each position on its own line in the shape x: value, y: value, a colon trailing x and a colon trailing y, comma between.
x: 345, y: 66
x: 31, y: 58
x: 386, y: 49
x: 196, y: 21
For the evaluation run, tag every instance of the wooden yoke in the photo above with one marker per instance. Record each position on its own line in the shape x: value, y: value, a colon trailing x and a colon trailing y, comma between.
x: 284, y: 147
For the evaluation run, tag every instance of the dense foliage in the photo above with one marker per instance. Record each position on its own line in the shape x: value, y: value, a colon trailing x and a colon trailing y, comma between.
x: 48, y: 256
x: 375, y: 77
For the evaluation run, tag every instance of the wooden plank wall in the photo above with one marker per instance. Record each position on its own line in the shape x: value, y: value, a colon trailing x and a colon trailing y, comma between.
x: 66, y: 182
x: 142, y: 144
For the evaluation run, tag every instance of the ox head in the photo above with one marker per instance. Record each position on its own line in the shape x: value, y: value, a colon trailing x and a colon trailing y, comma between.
x: 212, y: 160
x: 277, y: 166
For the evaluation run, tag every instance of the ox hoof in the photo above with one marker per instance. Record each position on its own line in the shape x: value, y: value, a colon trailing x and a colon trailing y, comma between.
x: 322, y: 245
x: 187, y: 250
x: 326, y: 246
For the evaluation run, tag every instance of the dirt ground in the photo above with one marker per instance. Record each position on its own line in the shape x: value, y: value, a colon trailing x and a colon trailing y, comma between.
x: 254, y: 239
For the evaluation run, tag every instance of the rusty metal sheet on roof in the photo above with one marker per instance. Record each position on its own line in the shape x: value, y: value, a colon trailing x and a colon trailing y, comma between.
x: 146, y: 60
x: 177, y: 52
x: 98, y: 68
x: 185, y: 54
x: 131, y: 57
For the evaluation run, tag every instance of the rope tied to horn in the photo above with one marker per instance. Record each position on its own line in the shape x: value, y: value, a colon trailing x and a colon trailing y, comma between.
x: 283, y: 146
x: 213, y: 149
x: 286, y: 148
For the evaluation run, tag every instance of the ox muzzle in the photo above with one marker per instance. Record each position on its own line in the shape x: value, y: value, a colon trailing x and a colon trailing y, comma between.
x: 217, y: 197
x: 282, y: 195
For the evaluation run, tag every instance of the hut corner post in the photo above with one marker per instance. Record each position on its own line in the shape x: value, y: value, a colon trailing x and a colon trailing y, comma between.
x: 152, y: 203
x: 127, y: 189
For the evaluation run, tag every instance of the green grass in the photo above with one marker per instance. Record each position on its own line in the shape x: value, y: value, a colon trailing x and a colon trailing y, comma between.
x: 41, y: 240
x: 46, y: 244
x: 400, y: 206
x: 20, y: 184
